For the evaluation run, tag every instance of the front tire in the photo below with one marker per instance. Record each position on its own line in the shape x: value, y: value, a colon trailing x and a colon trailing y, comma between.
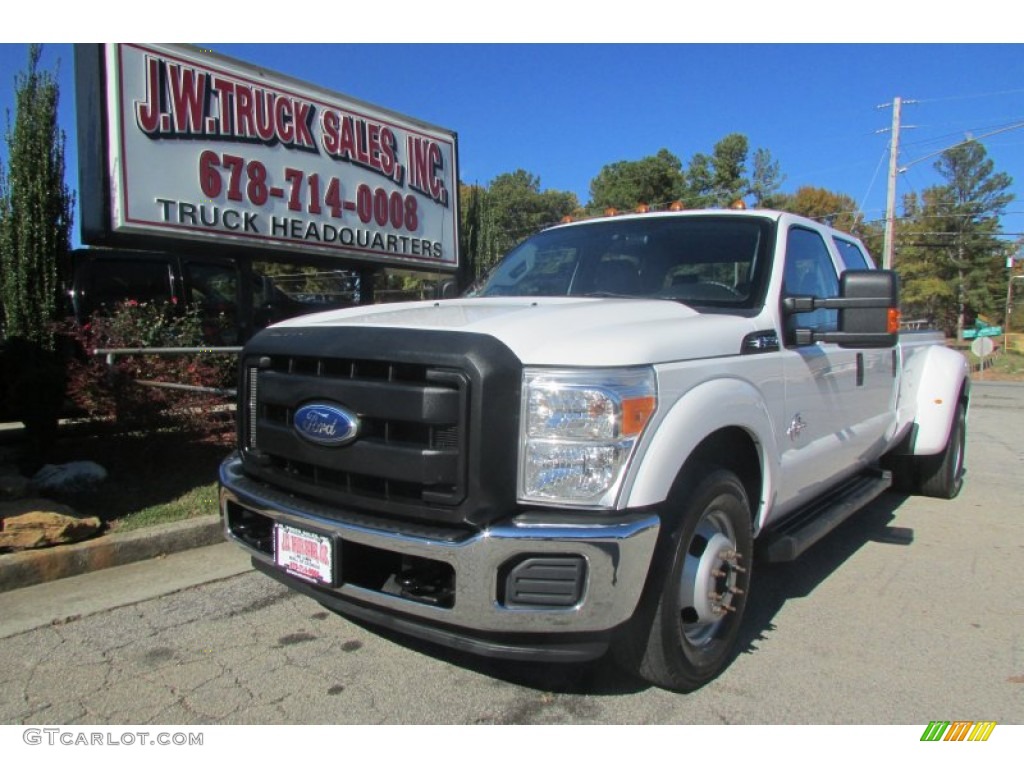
x: 701, y: 600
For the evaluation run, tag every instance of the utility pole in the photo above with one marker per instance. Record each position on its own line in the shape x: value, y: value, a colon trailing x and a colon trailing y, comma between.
x: 1009, y: 298
x: 890, y: 198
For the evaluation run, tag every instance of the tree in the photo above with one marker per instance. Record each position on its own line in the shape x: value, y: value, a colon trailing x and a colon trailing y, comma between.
x: 720, y: 179
x: 767, y: 179
x: 729, y: 162
x: 952, y: 238
x: 655, y: 180
x: 979, y: 197
x: 927, y: 291
x: 35, y: 210
x: 836, y: 210
x: 512, y: 208
x: 469, y: 232
x: 700, y: 185
x: 35, y: 229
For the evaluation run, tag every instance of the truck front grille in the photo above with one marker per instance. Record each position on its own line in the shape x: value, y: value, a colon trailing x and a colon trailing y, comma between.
x: 409, y: 448
x: 415, y: 439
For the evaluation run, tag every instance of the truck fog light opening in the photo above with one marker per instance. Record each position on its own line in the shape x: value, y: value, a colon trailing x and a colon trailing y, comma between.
x: 543, y: 581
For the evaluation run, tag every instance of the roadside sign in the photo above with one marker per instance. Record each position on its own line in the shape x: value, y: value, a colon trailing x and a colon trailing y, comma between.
x: 181, y: 144
x: 982, y: 347
x: 977, y: 333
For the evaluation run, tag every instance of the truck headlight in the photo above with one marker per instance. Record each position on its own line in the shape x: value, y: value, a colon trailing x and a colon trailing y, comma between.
x: 579, y: 429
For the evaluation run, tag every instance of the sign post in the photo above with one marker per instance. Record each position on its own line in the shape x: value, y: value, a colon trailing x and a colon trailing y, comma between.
x: 982, y: 347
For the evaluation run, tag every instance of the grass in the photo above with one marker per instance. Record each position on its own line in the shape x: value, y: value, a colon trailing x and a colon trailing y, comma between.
x: 1002, y: 366
x: 198, y: 502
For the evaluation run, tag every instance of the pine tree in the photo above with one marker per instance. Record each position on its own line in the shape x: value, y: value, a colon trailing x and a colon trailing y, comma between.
x: 951, y: 260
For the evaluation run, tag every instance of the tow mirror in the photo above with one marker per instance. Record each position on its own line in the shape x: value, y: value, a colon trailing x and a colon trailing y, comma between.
x: 868, y: 305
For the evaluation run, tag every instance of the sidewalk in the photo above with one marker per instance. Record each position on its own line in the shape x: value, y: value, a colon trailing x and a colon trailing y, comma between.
x: 56, y: 602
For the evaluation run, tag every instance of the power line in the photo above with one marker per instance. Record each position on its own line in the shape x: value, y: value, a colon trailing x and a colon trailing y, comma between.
x: 881, y: 159
x: 959, y: 132
x: 972, y: 96
x: 961, y: 143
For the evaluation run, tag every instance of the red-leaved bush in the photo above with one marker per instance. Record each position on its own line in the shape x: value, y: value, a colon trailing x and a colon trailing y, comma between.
x: 119, y: 393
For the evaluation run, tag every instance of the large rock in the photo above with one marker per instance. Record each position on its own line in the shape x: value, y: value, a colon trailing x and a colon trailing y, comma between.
x: 69, y: 478
x: 34, y: 523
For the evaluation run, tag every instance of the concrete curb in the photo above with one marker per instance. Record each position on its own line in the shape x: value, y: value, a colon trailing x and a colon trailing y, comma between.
x: 24, y: 569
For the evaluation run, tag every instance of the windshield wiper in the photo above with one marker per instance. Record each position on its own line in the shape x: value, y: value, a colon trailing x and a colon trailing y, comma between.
x: 613, y: 295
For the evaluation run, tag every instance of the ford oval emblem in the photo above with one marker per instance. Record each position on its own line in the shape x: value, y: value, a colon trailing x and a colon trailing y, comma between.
x: 326, y: 424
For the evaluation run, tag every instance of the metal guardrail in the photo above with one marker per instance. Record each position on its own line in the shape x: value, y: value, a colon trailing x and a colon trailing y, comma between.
x: 914, y: 325
x: 111, y: 356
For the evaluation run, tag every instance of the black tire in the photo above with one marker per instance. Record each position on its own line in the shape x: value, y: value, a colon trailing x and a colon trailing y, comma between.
x: 942, y: 475
x: 702, y: 595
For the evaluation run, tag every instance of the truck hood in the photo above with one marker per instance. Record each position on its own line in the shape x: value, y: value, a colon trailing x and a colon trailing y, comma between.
x: 563, y: 331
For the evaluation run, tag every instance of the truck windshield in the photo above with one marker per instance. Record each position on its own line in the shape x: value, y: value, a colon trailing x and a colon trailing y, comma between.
x: 705, y: 261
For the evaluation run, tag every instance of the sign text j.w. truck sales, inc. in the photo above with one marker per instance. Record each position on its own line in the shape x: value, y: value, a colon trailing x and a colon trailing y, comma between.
x: 201, y: 146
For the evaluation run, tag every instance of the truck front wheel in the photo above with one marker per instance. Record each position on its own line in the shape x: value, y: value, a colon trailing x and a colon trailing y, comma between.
x: 700, y: 606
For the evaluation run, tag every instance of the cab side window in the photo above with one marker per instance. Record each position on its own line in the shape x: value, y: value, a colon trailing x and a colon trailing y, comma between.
x: 851, y: 254
x: 810, y: 272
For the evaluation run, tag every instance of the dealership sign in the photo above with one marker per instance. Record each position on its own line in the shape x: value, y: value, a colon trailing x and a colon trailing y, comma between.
x: 207, y: 149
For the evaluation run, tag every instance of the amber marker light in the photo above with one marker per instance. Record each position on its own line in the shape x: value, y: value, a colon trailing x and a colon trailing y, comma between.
x: 893, y: 324
x: 636, y: 412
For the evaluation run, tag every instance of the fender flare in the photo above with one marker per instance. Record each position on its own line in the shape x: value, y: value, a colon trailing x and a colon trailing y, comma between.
x: 700, y: 412
x: 937, y: 383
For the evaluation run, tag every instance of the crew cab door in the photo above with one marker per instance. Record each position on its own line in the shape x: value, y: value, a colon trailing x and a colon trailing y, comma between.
x: 838, y: 401
x: 878, y: 366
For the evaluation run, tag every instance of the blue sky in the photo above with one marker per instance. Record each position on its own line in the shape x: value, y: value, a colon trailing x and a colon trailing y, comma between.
x: 563, y: 110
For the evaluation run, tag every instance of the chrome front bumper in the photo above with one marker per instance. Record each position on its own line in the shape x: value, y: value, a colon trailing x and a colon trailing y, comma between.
x: 617, y: 553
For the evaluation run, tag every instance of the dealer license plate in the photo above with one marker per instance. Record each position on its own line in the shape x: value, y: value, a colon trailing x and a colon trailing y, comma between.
x: 304, y: 554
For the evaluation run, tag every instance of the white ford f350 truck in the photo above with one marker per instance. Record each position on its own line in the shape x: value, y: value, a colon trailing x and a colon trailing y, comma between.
x: 582, y: 452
